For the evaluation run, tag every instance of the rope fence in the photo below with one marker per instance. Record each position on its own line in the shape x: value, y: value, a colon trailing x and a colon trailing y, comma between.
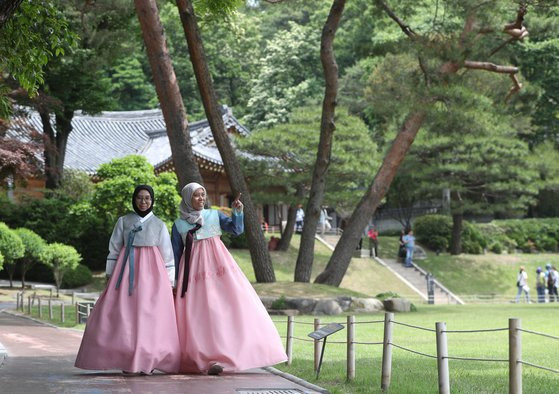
x: 514, y: 361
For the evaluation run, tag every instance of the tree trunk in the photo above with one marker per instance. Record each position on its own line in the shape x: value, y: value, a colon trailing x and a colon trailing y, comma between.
x: 11, y: 268
x: 303, y: 267
x: 7, y: 9
x: 50, y: 152
x: 457, y: 220
x: 338, y: 263
x: 261, y: 262
x: 168, y: 92
x: 287, y: 233
x: 63, y: 130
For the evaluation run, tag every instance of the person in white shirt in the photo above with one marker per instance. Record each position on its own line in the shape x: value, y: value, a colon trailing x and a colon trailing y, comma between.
x: 522, y: 284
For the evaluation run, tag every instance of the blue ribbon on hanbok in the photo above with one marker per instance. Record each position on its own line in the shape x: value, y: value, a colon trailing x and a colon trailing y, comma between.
x: 129, y: 252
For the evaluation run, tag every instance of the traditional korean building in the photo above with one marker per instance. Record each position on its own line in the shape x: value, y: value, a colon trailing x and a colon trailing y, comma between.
x: 98, y: 139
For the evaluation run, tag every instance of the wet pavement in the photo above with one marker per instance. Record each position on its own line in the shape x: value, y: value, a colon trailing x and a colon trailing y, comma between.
x: 40, y: 359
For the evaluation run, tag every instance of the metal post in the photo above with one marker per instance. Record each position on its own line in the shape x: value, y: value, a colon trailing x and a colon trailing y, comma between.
x: 40, y: 307
x: 321, y: 356
x: 50, y: 309
x: 62, y: 312
x: 289, y: 344
x: 317, y: 346
x: 515, y: 356
x: 387, y: 351
x: 442, y: 358
x: 350, y: 347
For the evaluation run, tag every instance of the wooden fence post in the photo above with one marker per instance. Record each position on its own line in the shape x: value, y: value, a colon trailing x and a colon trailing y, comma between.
x: 29, y: 305
x: 17, y: 301
x: 62, y: 312
x: 515, y: 356
x: 289, y: 339
x: 350, y: 347
x: 317, y: 346
x: 387, y: 351
x: 442, y: 358
x: 40, y: 307
x: 73, y: 297
x: 50, y: 309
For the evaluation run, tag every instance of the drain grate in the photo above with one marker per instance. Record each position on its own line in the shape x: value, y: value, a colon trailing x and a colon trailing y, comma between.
x: 268, y: 391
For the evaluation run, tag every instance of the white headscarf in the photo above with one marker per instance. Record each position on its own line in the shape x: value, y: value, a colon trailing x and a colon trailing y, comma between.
x: 187, y: 211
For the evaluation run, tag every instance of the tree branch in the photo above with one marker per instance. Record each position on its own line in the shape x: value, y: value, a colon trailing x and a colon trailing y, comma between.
x: 490, y: 67
x: 405, y: 28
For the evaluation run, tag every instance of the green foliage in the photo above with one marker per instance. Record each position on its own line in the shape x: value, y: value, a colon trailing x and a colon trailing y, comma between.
x: 113, y: 195
x: 60, y: 259
x: 32, y: 242
x: 473, y: 241
x: 47, y: 35
x: 283, y: 156
x: 76, y: 185
x: 11, y: 246
x: 279, y: 303
x: 79, y: 276
x: 530, y: 235
x: 433, y: 231
x: 288, y: 78
x: 130, y: 86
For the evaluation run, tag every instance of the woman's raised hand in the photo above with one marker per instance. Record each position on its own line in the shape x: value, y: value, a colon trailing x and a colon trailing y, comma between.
x: 237, y: 204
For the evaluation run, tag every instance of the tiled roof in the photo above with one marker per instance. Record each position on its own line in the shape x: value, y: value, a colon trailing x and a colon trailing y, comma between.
x: 97, y: 139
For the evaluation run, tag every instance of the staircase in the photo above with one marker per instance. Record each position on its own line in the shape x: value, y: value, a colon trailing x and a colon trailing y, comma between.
x: 415, y: 278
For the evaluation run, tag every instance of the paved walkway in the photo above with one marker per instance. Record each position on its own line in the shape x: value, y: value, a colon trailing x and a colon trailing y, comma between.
x: 40, y: 359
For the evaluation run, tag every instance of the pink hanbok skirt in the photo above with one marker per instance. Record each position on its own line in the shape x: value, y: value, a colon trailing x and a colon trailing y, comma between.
x: 138, y: 332
x: 221, y: 318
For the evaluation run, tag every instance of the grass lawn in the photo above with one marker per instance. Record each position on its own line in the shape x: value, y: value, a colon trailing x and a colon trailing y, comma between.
x: 364, y: 277
x: 478, y: 274
x: 413, y: 373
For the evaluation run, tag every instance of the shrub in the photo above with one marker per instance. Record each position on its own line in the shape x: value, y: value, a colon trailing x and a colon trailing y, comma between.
x: 431, y: 230
x: 473, y: 241
x: 496, y: 247
x: 279, y: 303
x: 60, y: 259
x: 77, y: 277
x: 11, y: 248
x: 34, y: 246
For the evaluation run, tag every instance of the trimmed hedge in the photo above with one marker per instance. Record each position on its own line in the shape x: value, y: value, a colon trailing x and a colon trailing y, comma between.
x: 433, y: 231
x: 528, y: 235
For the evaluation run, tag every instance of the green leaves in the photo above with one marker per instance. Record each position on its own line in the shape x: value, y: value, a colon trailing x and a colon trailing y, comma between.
x: 11, y: 247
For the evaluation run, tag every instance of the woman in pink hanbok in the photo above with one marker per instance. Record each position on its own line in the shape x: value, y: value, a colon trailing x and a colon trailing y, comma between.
x: 132, y: 326
x: 223, y: 325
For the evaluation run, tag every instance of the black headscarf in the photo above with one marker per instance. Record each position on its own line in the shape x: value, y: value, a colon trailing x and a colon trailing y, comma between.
x: 136, y: 191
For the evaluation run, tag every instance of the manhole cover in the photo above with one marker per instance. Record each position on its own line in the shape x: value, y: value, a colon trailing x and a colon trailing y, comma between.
x: 268, y: 391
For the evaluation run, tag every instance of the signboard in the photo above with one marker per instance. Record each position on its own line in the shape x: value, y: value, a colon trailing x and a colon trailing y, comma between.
x: 326, y: 330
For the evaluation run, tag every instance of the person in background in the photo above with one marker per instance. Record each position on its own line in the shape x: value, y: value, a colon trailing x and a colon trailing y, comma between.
x: 555, y: 285
x: 222, y: 324
x: 324, y: 221
x: 409, y: 244
x: 522, y: 284
x: 401, y: 247
x: 373, y: 241
x: 550, y: 282
x: 133, y: 325
x: 299, y: 219
x: 540, y: 284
